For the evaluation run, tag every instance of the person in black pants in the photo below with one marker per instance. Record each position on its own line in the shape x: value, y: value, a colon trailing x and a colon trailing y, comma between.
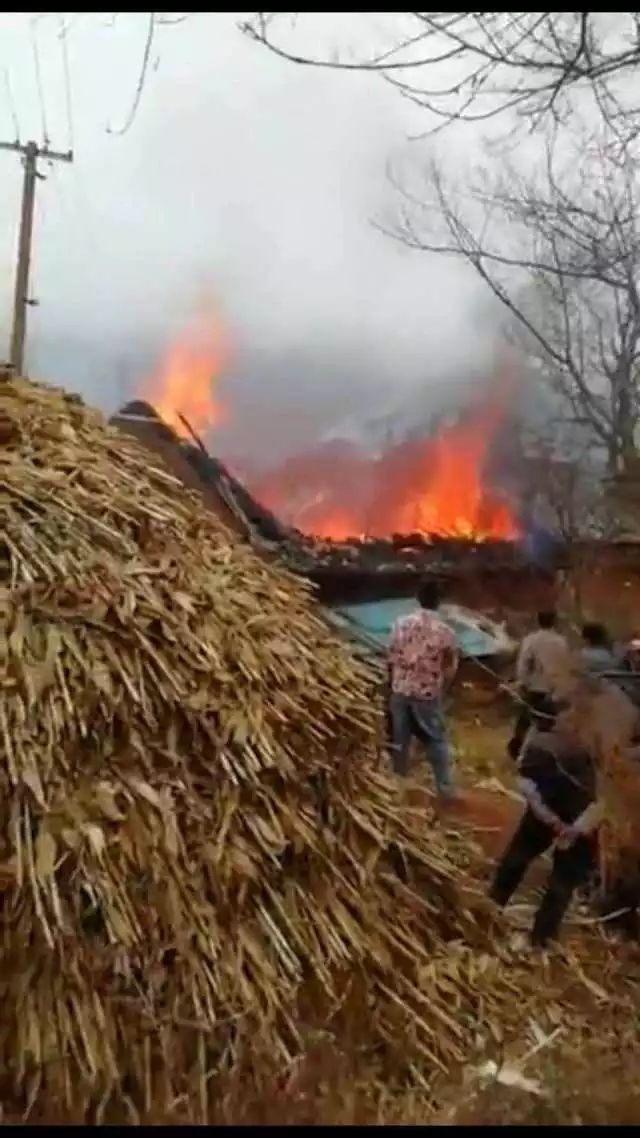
x: 557, y: 781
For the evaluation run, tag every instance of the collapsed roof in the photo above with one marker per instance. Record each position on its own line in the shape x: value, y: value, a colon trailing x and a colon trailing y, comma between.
x: 190, y: 462
x: 349, y: 571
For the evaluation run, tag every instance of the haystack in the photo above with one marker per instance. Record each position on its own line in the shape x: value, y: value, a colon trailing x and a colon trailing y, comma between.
x: 203, y: 860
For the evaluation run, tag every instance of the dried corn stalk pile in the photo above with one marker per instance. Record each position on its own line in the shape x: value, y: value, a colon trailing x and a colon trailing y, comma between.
x: 199, y: 846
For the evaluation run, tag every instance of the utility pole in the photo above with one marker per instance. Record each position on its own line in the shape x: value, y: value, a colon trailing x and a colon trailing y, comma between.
x: 30, y: 152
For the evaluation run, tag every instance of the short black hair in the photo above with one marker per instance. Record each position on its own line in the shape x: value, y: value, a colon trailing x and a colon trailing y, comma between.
x: 548, y: 618
x: 429, y: 593
x: 595, y: 635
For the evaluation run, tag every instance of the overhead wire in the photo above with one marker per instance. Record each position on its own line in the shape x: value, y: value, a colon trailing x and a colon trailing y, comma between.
x: 36, y: 64
x: 62, y: 36
x: 11, y: 104
x: 141, y: 79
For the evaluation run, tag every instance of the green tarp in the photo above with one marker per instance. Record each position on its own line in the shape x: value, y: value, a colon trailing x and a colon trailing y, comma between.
x: 372, y: 622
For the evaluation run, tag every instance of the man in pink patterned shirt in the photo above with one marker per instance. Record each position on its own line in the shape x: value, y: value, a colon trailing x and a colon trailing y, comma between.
x: 423, y: 657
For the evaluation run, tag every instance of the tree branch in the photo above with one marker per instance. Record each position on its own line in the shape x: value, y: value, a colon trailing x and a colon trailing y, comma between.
x: 560, y: 252
x: 522, y: 61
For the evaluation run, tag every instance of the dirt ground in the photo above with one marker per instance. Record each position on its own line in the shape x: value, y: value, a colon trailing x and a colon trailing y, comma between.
x: 479, y: 727
x: 574, y: 1011
x: 588, y: 984
x: 603, y: 1032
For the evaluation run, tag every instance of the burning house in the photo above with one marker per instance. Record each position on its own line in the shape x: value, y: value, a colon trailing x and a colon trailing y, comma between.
x: 362, y: 522
x: 361, y: 582
x: 457, y: 526
x: 493, y: 557
x: 429, y: 483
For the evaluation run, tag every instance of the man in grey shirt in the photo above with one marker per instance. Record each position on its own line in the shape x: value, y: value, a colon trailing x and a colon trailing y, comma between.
x: 597, y: 656
x: 543, y: 662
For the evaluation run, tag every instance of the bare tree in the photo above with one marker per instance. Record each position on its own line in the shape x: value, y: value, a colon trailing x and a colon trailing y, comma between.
x: 563, y: 492
x: 560, y: 250
x: 472, y: 66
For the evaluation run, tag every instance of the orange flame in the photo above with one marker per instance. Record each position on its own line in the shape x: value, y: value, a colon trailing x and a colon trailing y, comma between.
x: 183, y: 383
x: 431, y: 485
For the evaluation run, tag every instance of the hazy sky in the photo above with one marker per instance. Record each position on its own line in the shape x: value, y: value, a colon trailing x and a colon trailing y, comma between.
x: 244, y: 183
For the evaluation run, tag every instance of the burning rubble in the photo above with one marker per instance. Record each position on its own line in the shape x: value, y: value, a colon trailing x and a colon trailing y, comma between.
x: 437, y: 484
x: 189, y: 461
x: 433, y: 486
x: 453, y: 471
x: 426, y: 505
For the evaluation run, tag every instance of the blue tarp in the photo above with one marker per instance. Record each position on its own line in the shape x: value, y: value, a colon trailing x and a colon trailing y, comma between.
x: 376, y: 618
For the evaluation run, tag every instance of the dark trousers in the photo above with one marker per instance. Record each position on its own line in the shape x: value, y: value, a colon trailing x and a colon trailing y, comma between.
x: 571, y: 867
x: 534, y: 701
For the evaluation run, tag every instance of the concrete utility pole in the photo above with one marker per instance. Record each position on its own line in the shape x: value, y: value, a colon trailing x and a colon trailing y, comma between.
x: 30, y: 152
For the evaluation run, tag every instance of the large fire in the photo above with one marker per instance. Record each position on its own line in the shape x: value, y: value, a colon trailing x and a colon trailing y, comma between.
x: 433, y: 485
x: 182, y: 387
x: 436, y: 484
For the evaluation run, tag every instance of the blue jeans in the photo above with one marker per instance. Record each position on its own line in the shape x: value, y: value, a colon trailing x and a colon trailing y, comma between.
x: 422, y: 718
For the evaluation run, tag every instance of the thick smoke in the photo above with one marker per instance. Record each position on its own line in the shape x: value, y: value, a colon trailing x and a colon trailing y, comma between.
x: 246, y: 184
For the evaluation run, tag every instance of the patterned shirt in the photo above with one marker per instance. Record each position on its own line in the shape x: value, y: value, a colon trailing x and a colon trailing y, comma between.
x: 417, y: 649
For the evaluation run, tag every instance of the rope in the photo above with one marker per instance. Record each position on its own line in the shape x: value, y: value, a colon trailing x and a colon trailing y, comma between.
x: 508, y: 688
x: 517, y: 698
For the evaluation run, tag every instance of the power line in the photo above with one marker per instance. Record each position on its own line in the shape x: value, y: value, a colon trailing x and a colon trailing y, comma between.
x: 67, y: 78
x: 156, y: 19
x: 12, y: 106
x: 141, y: 80
x: 36, y: 64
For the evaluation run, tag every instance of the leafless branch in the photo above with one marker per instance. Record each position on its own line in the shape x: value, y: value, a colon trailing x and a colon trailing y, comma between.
x: 527, y: 62
x: 560, y: 251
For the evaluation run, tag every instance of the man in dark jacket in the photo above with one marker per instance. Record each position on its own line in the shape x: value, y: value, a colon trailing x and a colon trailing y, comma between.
x: 557, y: 781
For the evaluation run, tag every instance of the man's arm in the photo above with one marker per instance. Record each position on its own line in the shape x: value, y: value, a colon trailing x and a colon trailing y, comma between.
x: 524, y: 661
x: 450, y: 661
x: 450, y: 657
x: 534, y: 800
x: 535, y: 764
x: 392, y: 652
x: 392, y: 647
x: 589, y: 820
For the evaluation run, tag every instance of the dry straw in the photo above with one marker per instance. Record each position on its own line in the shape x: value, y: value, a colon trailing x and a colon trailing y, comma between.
x: 203, y: 862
